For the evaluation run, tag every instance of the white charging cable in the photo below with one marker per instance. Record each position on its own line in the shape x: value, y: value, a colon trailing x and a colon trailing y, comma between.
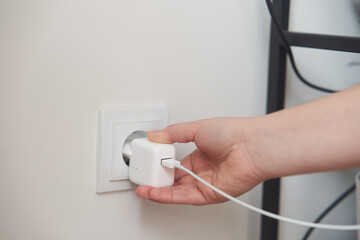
x: 172, y: 163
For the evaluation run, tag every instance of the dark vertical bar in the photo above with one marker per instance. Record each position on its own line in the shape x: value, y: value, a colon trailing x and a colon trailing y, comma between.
x: 275, y: 102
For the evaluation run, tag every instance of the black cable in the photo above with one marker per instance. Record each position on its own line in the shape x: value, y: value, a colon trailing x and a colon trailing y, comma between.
x: 289, y: 51
x: 329, y: 208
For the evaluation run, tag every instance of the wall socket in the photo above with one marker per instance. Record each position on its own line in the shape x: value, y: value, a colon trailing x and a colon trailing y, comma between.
x: 114, y: 126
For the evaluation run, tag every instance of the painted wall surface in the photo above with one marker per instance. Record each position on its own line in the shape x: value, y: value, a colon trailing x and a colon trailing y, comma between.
x: 306, y: 196
x: 61, y: 61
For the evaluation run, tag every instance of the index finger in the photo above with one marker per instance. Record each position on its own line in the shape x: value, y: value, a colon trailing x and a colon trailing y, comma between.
x: 180, y: 194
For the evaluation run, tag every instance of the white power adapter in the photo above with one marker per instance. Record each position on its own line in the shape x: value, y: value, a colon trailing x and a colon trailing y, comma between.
x: 145, y: 167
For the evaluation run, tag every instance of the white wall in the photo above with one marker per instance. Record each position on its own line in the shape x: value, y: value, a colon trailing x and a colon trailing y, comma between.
x: 306, y: 196
x: 61, y: 61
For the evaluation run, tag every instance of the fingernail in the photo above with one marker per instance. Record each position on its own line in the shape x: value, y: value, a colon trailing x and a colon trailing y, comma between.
x: 151, y: 133
x: 158, y: 136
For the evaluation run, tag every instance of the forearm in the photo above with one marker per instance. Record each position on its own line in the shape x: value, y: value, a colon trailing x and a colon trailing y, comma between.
x: 322, y: 135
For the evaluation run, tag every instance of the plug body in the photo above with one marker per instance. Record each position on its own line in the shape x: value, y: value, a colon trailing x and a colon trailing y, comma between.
x: 145, y: 163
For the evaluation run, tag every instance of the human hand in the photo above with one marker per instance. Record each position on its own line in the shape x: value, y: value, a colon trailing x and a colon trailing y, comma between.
x: 235, y: 154
x: 221, y: 158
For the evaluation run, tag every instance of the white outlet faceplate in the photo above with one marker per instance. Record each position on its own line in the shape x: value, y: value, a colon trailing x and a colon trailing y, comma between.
x: 114, y: 126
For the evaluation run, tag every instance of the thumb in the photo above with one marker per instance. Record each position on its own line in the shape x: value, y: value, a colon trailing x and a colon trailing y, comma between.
x: 180, y: 132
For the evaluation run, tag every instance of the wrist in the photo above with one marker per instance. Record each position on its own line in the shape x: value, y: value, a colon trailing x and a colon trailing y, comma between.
x: 267, y: 147
x: 254, y: 139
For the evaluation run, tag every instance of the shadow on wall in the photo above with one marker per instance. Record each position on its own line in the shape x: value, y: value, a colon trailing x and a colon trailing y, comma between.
x: 356, y: 7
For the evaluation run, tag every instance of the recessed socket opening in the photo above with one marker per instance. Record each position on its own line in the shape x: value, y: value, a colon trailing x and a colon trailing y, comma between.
x: 126, y: 150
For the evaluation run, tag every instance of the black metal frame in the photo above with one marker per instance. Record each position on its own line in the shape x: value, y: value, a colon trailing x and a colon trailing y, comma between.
x: 276, y: 91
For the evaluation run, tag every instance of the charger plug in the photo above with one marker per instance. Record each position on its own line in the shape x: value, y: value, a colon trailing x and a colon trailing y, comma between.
x: 169, y: 162
x: 145, y: 167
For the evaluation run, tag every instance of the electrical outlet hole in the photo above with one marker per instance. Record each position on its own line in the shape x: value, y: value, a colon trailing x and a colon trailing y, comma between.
x: 126, y: 150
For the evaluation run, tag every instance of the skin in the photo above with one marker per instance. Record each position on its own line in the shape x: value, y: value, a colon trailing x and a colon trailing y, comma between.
x: 236, y: 154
